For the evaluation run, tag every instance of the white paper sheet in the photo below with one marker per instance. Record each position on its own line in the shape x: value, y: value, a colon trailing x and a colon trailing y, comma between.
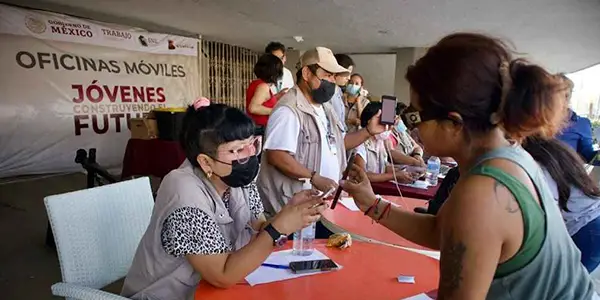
x: 349, y: 203
x: 266, y: 274
x: 419, y: 184
x: 419, y: 297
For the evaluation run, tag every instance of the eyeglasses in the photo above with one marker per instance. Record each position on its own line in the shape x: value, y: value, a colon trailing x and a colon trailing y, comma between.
x: 411, y: 117
x: 244, y: 152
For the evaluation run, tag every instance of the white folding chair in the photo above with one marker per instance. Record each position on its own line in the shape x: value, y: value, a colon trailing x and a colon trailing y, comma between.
x: 97, y: 231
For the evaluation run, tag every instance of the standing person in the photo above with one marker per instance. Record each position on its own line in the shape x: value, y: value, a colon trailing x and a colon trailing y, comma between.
x: 341, y: 80
x: 304, y: 137
x: 259, y: 98
x: 500, y: 233
x: 286, y: 81
x: 578, y: 133
x: 208, y: 219
x: 354, y: 102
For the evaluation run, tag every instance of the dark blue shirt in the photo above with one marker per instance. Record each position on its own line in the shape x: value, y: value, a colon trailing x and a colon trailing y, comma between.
x: 578, y: 135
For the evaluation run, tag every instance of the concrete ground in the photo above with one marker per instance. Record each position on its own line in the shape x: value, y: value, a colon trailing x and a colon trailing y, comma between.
x: 27, y: 266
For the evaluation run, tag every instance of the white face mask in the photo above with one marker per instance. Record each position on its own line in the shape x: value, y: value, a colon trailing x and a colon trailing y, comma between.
x: 383, y: 136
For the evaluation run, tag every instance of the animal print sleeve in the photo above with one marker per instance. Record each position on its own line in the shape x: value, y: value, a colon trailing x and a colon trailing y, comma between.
x: 189, y: 230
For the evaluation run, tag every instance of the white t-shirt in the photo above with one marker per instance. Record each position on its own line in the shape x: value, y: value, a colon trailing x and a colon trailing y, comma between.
x: 286, y: 81
x: 282, y: 133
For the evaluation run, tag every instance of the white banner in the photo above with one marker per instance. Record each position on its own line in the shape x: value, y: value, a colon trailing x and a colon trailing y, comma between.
x: 68, y: 83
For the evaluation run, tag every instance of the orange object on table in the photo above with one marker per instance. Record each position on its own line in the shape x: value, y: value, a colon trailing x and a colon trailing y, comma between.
x: 341, y: 219
x: 369, y: 271
x: 389, y: 188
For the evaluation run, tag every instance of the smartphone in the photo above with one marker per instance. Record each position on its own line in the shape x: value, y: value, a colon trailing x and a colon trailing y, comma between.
x: 310, y: 266
x: 324, y: 196
x: 328, y: 193
x: 338, y: 193
x: 388, y: 110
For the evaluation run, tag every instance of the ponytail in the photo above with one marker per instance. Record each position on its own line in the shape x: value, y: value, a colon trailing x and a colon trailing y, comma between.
x: 534, y: 103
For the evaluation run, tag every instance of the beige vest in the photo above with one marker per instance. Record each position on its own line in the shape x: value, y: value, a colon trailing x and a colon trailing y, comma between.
x: 154, y: 274
x: 352, y: 112
x: 274, y: 187
x: 405, y: 142
x: 376, y: 156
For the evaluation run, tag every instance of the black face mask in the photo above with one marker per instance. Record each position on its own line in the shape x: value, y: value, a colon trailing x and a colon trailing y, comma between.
x: 324, y: 92
x: 241, y: 174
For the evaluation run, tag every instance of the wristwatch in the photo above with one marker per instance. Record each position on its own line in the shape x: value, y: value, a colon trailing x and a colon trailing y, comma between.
x: 278, y: 238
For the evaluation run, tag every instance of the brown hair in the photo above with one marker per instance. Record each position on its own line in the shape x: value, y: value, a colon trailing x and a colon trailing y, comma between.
x: 475, y: 76
x: 362, y: 80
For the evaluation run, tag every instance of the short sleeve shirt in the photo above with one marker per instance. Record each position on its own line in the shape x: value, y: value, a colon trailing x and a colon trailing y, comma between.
x: 189, y: 230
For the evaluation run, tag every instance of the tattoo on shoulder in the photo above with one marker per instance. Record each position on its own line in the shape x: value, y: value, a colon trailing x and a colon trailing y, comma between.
x: 451, y: 266
x: 511, y: 205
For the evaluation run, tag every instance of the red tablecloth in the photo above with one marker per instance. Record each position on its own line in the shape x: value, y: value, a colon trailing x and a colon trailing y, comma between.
x: 151, y: 157
x: 341, y: 219
x: 389, y: 188
x: 369, y: 271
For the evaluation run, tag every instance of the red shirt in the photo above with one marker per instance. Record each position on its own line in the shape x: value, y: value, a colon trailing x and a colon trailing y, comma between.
x: 260, y: 120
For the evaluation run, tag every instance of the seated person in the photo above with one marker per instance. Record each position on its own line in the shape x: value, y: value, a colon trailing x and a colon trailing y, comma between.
x: 404, y: 149
x: 208, y: 219
x: 372, y: 155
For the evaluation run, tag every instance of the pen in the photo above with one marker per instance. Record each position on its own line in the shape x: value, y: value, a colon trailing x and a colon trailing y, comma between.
x: 275, y: 266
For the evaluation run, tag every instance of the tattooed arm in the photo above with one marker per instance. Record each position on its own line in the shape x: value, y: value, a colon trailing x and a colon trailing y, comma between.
x: 471, y: 242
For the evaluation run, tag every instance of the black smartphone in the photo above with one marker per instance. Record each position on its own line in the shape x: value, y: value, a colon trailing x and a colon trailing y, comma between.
x: 300, y: 267
x: 388, y: 110
x: 338, y: 193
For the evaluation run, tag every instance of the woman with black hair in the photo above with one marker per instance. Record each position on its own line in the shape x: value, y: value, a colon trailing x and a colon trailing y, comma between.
x: 259, y: 98
x: 208, y: 218
x: 372, y: 155
x: 577, y: 195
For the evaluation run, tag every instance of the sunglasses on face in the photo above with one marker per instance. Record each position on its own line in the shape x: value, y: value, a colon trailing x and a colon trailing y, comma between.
x: 412, y: 117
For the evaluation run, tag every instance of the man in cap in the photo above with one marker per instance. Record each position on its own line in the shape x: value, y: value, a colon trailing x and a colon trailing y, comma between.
x: 305, y: 139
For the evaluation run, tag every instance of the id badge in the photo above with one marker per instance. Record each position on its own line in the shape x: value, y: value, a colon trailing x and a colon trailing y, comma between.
x: 332, y: 144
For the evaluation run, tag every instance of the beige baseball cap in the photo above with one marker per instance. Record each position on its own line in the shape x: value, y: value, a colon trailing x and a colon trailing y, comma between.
x: 323, y: 57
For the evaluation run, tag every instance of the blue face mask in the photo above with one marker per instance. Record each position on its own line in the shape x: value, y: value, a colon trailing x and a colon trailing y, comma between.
x: 352, y: 89
x: 401, y: 127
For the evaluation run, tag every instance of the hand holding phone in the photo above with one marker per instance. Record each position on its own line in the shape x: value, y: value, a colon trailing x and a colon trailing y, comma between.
x: 338, y: 193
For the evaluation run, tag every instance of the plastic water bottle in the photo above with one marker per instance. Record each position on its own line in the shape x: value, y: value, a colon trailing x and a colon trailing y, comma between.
x: 433, y: 170
x: 303, y: 238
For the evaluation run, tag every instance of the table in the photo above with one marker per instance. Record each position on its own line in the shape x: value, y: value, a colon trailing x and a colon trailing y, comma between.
x: 361, y: 227
x: 389, y: 188
x: 369, y: 272
x: 151, y: 157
